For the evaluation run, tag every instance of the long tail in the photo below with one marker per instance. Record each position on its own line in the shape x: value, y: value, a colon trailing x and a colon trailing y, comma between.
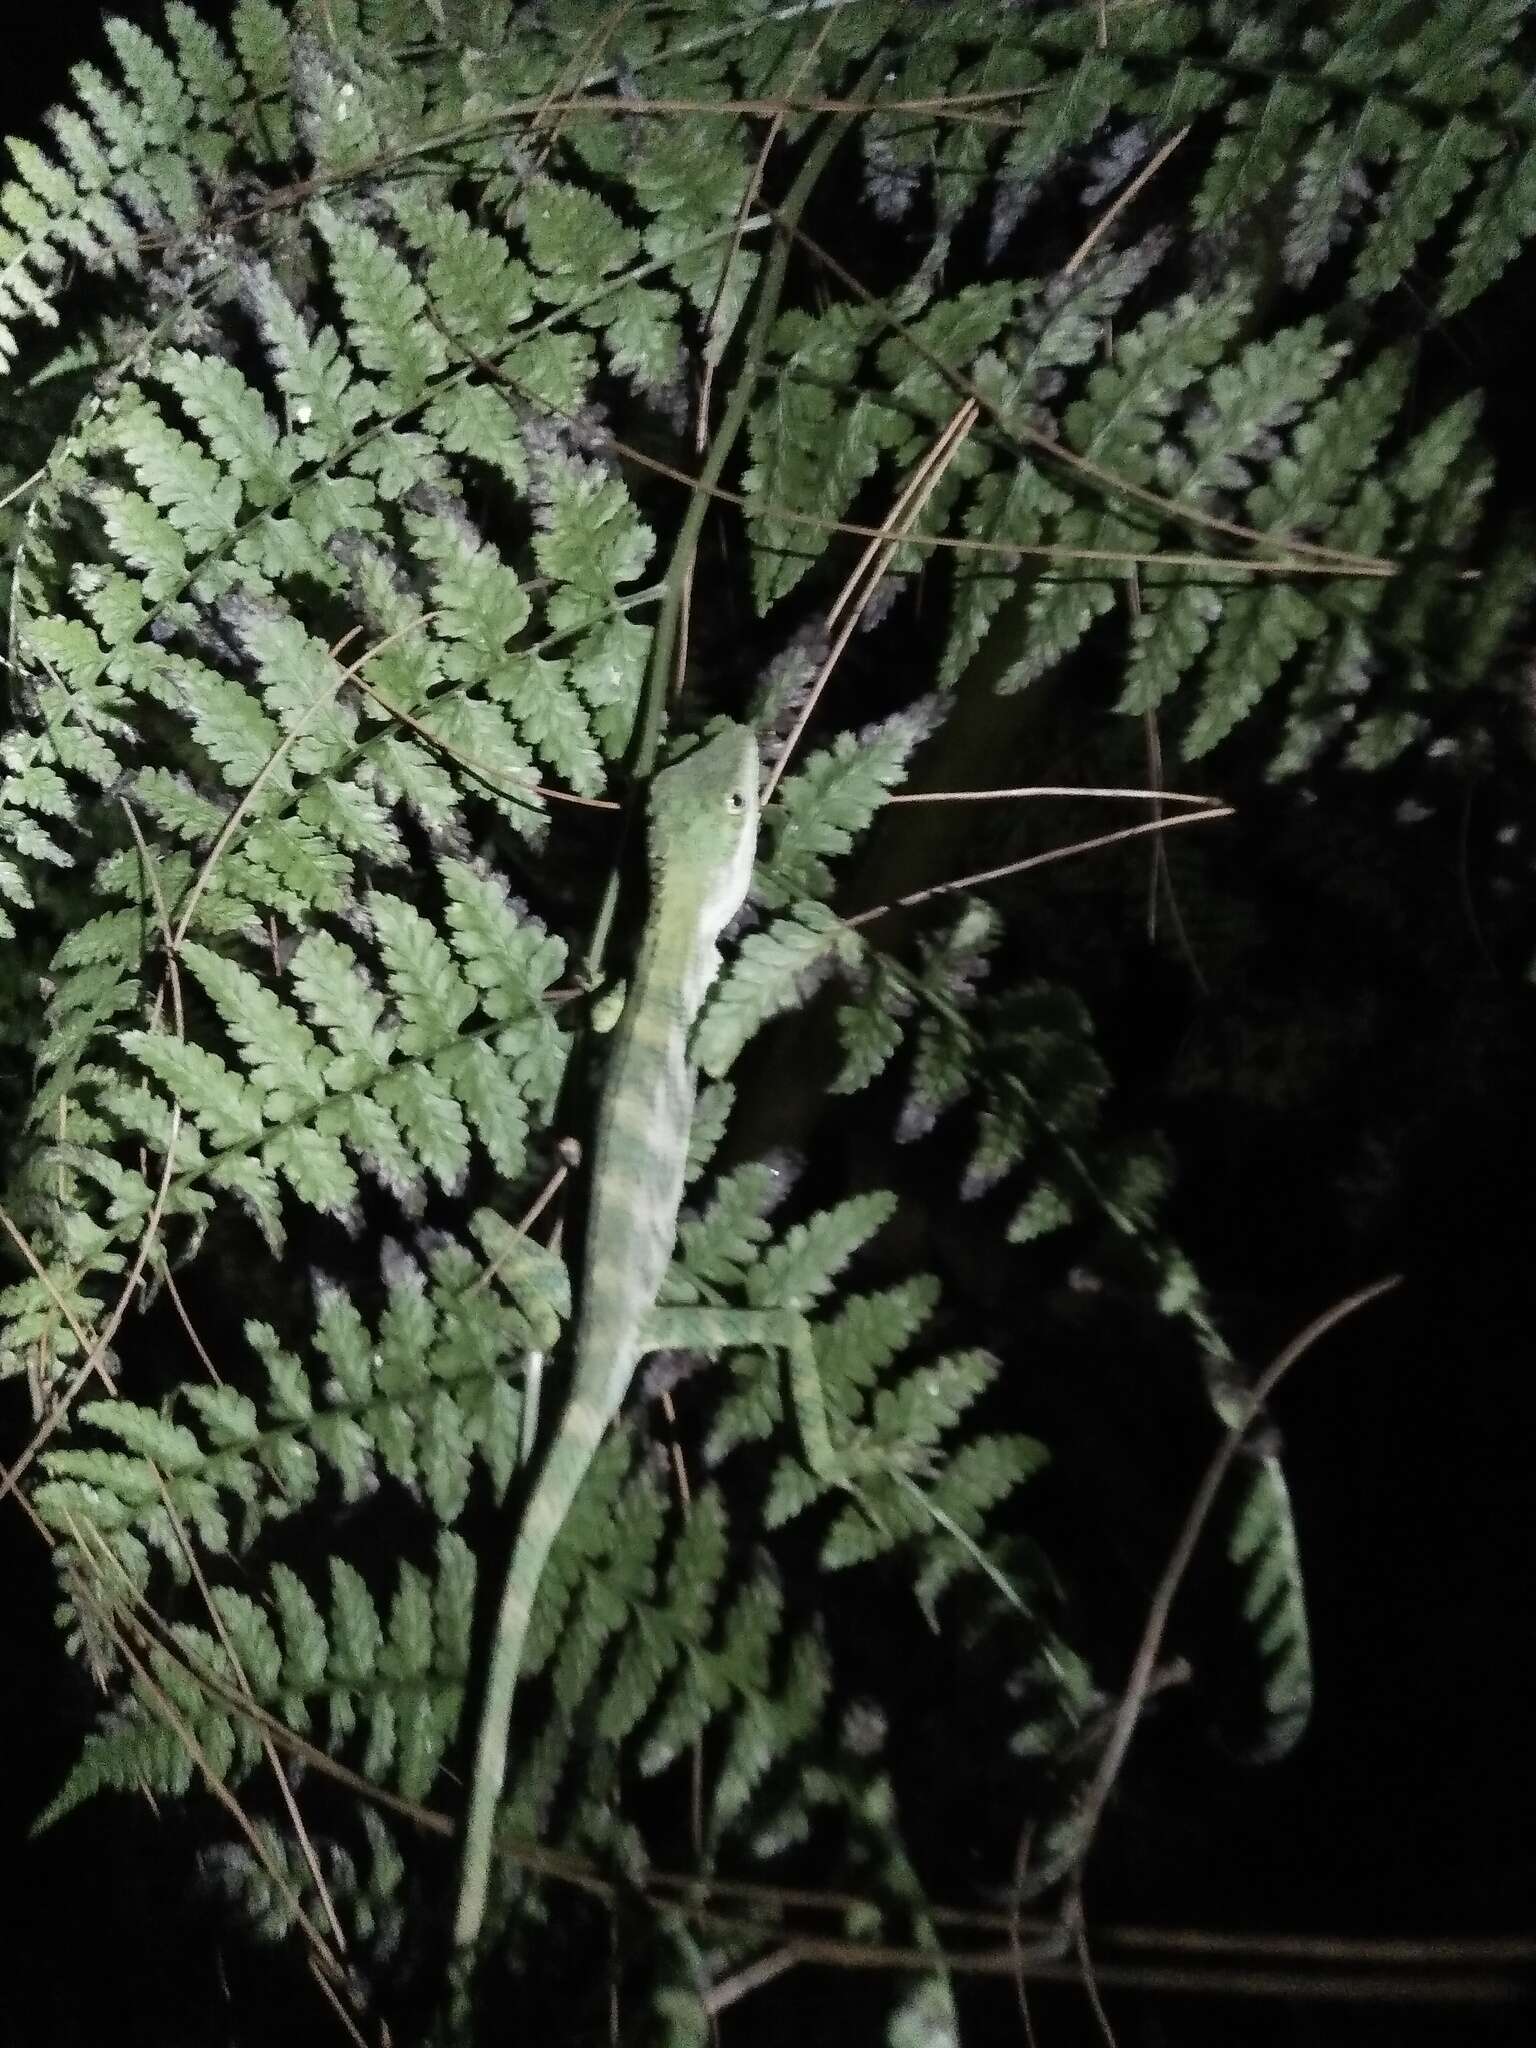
x: 581, y: 1431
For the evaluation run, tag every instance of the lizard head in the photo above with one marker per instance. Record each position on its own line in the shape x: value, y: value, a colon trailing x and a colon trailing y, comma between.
x: 703, y: 821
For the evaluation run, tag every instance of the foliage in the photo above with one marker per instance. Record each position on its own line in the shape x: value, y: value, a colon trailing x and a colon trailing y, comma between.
x: 351, y: 365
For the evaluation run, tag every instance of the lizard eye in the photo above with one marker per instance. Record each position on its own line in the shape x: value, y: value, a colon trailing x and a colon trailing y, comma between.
x: 735, y: 801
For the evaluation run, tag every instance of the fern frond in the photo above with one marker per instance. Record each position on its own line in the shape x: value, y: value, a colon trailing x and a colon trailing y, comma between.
x: 1026, y: 1058
x: 366, y: 1888
x: 773, y: 969
x: 1263, y: 1544
x: 717, y: 1246
x: 396, y: 1679
x: 829, y: 802
x: 808, y: 452
x: 421, y: 1394
x: 308, y: 1080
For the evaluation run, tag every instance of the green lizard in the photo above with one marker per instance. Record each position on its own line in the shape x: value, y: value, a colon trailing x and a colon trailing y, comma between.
x: 701, y: 840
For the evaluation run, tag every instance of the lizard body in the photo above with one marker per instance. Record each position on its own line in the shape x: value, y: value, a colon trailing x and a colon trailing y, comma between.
x: 700, y: 842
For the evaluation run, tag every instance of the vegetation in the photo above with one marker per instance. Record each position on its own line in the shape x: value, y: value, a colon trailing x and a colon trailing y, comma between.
x: 420, y: 415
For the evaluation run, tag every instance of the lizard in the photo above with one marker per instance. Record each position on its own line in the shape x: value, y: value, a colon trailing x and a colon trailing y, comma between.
x: 701, y: 840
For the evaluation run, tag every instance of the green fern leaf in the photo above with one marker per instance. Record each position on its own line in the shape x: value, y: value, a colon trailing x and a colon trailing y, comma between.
x: 1496, y: 224
x: 1435, y: 172
x: 478, y: 289
x: 802, y: 1265
x: 1009, y: 504
x: 388, y: 322
x: 716, y: 1247
x: 1258, y: 636
x: 829, y: 803
x: 225, y: 1105
x: 282, y: 1055
x: 870, y: 1028
x: 591, y: 541
x: 772, y: 970
x: 573, y: 237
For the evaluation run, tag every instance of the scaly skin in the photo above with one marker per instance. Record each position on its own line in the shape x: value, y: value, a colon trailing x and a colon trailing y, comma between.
x: 701, y: 838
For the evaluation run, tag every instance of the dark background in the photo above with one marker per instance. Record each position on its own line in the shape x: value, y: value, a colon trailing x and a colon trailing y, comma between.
x: 1409, y: 1806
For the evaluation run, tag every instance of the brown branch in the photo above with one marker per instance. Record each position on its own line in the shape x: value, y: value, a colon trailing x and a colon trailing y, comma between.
x: 1188, y: 1538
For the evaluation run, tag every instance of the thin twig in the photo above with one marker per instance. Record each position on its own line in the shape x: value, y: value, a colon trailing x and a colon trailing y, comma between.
x: 1309, y: 560
x: 333, y: 1999
x: 870, y: 567
x: 521, y: 1228
x: 168, y: 1282
x: 519, y: 792
x: 97, y: 1347
x: 1338, y: 560
x: 166, y: 1708
x: 1088, y: 1976
x: 846, y: 1953
x: 285, y: 1790
x: 1051, y: 789
x: 1187, y: 1540
x: 274, y: 760
x: 93, y: 1359
x: 1038, y: 860
x: 557, y: 101
x: 751, y: 1978
x: 749, y: 197
x: 1120, y: 202
x: 25, y: 485
x: 750, y: 192
x: 1016, y: 1932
